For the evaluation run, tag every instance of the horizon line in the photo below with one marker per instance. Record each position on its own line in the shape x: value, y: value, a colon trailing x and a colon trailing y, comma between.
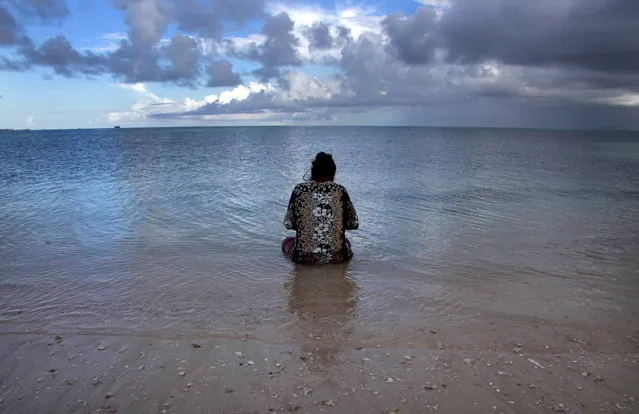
x: 325, y: 126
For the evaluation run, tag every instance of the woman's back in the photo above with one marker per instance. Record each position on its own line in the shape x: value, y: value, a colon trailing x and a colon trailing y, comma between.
x: 320, y: 213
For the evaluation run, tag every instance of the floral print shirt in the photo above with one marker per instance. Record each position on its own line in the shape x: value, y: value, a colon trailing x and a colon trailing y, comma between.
x: 320, y: 212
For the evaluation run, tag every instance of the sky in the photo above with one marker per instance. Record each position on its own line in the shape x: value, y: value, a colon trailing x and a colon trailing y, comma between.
x: 153, y: 63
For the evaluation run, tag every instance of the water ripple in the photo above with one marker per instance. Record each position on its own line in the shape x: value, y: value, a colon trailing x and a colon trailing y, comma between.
x: 179, y: 229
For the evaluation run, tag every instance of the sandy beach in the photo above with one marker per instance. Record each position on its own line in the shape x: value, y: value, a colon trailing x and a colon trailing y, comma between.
x: 501, y: 367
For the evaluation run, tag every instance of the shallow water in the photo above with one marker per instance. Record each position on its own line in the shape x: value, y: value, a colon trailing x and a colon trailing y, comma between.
x: 171, y: 232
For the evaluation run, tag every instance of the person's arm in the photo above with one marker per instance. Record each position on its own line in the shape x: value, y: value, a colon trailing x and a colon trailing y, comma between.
x: 351, y: 222
x: 289, y: 219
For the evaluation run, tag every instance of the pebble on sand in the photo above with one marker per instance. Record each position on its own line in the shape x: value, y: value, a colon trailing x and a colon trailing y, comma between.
x: 535, y: 363
x: 108, y: 395
x: 101, y: 348
x: 559, y: 407
x: 181, y: 373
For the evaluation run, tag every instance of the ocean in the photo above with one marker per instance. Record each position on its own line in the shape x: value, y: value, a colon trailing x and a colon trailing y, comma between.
x: 173, y: 232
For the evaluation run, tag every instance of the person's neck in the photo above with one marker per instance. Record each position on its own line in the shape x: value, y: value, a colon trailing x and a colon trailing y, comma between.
x: 322, y: 179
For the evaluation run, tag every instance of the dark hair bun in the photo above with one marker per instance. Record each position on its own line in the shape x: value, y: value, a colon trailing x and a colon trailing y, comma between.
x: 322, y: 156
x: 323, y: 166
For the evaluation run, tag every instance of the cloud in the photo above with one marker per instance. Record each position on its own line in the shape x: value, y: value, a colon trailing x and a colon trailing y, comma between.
x: 588, y: 34
x: 279, y: 48
x: 221, y: 74
x: 319, y: 36
x: 142, y: 55
x: 9, y: 29
x: 184, y: 55
x: 31, y: 121
x: 199, y: 18
x: 147, y: 20
x: 357, y: 19
x: 302, y: 93
x: 206, y: 18
x: 411, y: 37
x: 41, y: 9
x: 57, y: 53
x: 463, y: 57
x: 110, y: 42
x: 150, y: 105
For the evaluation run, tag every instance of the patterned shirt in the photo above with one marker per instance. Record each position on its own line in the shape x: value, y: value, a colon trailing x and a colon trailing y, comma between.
x: 320, y: 212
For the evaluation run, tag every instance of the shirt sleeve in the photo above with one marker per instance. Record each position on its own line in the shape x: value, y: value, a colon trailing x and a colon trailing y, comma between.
x: 351, y: 222
x: 289, y: 219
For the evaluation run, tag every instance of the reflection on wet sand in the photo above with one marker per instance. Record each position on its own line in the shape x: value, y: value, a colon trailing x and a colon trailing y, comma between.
x: 324, y: 299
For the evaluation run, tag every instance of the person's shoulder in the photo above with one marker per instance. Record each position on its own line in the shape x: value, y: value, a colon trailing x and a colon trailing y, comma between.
x: 301, y: 186
x: 340, y: 187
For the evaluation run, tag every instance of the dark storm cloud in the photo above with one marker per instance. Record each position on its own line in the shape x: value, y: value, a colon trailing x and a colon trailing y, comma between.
x: 130, y: 62
x: 591, y: 34
x: 412, y: 38
x: 207, y: 18
x: 177, y: 62
x: 134, y: 63
x: 278, y: 50
x: 147, y: 20
x: 266, y: 73
x: 319, y: 36
x: 9, y: 29
x: 184, y: 55
x: 344, y: 34
x: 58, y: 54
x: 368, y: 70
x: 138, y: 60
x: 221, y: 74
x: 199, y: 18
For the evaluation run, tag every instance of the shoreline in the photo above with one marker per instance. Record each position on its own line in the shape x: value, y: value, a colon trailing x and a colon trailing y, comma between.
x: 446, y: 370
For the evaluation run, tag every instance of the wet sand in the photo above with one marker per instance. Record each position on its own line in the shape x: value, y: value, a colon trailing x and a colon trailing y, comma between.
x: 506, y: 366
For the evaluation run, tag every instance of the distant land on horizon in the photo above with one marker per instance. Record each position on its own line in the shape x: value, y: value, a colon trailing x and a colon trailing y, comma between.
x: 452, y: 127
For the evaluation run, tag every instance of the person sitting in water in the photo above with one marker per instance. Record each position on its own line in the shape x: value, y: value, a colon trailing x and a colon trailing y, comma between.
x: 320, y: 211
